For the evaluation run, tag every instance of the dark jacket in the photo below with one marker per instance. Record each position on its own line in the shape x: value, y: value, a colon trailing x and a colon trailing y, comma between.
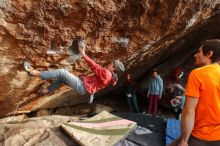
x: 129, y: 88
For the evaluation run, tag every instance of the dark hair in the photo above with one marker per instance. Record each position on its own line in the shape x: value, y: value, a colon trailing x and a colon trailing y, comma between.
x: 154, y: 70
x: 214, y: 46
x: 169, y: 89
x: 109, y: 62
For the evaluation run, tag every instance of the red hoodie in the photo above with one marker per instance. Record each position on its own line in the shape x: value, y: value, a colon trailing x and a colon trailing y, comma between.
x: 102, y: 77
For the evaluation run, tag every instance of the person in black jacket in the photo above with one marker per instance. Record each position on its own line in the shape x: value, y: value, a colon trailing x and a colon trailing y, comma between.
x: 130, y: 92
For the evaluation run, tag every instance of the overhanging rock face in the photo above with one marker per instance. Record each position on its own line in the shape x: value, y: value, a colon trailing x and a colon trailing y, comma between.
x: 41, y: 32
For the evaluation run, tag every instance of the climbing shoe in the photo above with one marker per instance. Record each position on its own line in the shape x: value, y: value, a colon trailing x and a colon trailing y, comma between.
x: 28, y: 67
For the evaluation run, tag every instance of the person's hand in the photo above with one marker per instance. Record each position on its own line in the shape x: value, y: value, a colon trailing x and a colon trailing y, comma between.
x: 183, y: 143
x: 82, y: 47
x: 178, y: 97
x: 160, y: 97
x: 82, y: 51
x: 147, y: 96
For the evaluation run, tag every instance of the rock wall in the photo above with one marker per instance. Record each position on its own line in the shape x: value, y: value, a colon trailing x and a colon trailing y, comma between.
x: 138, y: 32
x: 42, y: 131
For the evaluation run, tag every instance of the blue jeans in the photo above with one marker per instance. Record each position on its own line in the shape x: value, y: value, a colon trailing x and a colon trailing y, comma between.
x: 63, y: 76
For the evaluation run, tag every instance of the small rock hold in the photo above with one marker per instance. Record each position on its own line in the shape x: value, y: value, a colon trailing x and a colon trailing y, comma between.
x: 89, y: 2
x: 66, y: 9
x: 123, y: 41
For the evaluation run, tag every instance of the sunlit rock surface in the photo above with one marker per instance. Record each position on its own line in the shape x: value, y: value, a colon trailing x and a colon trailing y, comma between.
x: 43, y: 131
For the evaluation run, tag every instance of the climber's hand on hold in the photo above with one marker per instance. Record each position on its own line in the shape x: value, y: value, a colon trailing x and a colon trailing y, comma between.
x: 82, y: 47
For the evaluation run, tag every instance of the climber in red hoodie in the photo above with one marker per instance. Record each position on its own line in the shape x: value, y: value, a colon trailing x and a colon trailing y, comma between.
x: 101, y: 78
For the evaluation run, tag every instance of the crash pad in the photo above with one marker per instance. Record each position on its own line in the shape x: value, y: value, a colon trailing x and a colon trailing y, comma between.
x: 173, y: 130
x: 104, y: 129
x: 154, y: 123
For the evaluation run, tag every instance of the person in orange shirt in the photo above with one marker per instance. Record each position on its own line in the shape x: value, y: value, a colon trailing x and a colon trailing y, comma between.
x: 200, y: 117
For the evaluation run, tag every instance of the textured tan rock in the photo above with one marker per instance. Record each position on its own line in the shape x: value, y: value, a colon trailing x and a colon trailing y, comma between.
x: 99, y: 108
x: 43, y: 113
x: 27, y: 28
x: 82, y: 109
x: 42, y: 131
x: 14, y: 119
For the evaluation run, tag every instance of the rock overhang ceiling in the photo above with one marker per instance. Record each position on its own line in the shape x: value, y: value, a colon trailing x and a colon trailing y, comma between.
x: 139, y: 33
